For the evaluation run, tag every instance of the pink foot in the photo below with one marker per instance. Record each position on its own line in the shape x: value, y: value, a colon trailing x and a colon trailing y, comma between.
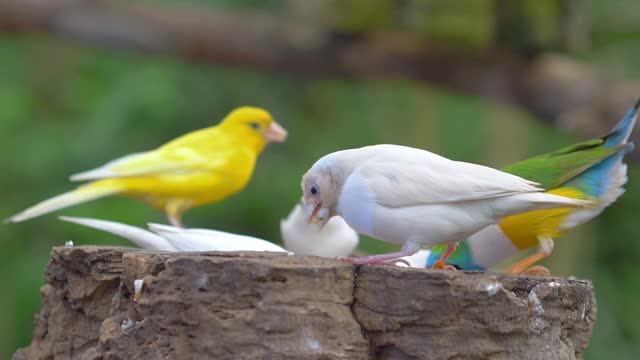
x: 384, y: 259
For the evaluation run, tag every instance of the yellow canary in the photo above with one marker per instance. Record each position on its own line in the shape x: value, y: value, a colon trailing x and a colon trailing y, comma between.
x: 197, y: 168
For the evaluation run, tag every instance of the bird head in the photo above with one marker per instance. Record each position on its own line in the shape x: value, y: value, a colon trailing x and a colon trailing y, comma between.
x: 320, y: 189
x: 254, y: 125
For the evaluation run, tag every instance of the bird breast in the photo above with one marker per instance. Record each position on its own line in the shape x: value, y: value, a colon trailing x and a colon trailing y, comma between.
x: 426, y: 224
x: 356, y: 205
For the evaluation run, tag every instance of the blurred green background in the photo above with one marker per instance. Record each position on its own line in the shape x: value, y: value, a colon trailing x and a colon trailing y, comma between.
x: 66, y: 107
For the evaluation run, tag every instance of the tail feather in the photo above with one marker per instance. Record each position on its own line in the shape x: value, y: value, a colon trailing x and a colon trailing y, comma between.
x: 543, y: 201
x: 167, y: 229
x: 80, y: 195
x: 143, y: 238
x: 611, y: 188
x: 525, y: 202
x: 620, y: 133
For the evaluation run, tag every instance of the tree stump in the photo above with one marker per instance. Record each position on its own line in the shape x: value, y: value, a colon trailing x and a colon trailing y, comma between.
x: 276, y: 306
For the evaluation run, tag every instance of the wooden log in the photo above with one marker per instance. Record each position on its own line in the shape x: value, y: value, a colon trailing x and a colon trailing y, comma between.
x: 261, y: 306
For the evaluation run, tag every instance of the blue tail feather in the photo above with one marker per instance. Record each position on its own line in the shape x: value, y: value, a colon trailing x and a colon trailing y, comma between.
x: 620, y: 133
x: 596, y: 180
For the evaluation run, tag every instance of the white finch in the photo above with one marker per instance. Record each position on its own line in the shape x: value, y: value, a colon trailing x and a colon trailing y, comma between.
x: 333, y: 240
x: 416, y: 198
x: 170, y: 238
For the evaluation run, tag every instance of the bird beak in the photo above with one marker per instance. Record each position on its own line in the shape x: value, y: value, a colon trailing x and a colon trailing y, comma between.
x: 275, y: 133
x: 316, y: 214
x: 310, y: 212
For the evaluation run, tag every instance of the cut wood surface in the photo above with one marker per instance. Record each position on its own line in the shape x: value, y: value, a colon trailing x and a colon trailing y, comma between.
x: 276, y: 306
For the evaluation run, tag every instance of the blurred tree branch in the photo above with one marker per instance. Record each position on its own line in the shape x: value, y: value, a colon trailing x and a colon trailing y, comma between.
x: 556, y: 89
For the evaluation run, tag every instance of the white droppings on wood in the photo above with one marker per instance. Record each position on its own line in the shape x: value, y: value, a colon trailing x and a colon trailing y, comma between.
x: 554, y: 284
x: 137, y: 289
x: 127, y: 325
x: 537, y: 311
x: 313, y: 343
x: 492, y: 288
x: 202, y: 283
x: 311, y: 340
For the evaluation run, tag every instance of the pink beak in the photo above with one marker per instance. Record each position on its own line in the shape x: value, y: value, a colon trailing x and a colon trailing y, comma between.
x: 275, y: 133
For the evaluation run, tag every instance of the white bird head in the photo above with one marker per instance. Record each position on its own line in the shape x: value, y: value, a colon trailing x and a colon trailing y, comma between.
x: 320, y: 187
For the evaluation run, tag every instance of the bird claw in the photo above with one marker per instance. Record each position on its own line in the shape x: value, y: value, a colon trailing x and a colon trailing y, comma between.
x: 537, y: 271
x: 440, y: 266
x: 344, y: 258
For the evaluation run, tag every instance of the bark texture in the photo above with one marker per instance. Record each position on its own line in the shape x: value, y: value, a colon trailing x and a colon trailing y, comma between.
x: 272, y: 306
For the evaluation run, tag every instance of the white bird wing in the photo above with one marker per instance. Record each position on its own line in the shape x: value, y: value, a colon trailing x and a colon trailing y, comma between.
x: 143, y: 238
x: 410, y: 182
x: 211, y: 240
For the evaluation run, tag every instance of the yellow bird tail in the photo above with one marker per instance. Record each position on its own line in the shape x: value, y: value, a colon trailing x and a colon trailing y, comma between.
x: 80, y: 195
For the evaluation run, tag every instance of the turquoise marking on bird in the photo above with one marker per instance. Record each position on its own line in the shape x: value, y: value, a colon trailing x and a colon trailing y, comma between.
x: 462, y: 258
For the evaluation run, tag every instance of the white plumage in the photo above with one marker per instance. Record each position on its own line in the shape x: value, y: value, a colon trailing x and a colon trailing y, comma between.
x: 143, y: 238
x: 417, y: 260
x: 416, y: 198
x: 335, y: 239
x: 170, y: 238
x: 491, y: 246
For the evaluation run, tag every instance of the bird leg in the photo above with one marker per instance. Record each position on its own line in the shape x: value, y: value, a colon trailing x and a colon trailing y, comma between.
x: 545, y: 249
x: 174, y: 210
x: 384, y: 259
x: 442, y: 262
x: 176, y: 221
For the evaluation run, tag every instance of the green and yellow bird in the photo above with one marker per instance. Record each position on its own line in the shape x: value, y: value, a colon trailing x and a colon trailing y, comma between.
x: 593, y: 170
x: 198, y: 168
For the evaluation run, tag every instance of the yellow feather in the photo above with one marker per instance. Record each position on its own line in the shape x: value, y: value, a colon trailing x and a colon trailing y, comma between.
x: 525, y: 229
x: 198, y: 168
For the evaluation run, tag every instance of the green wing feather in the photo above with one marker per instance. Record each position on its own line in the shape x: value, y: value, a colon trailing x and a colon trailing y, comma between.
x: 556, y: 168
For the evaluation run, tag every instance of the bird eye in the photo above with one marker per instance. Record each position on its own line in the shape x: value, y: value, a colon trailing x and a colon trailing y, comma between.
x: 314, y: 190
x: 254, y: 125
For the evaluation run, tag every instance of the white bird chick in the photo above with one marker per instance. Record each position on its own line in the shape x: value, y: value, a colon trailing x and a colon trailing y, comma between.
x: 171, y: 238
x: 416, y: 198
x: 335, y: 239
